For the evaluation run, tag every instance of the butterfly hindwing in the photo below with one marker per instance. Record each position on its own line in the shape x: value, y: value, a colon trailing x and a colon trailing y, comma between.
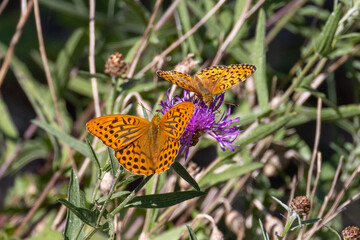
x: 174, y: 121
x: 233, y: 75
x: 117, y: 131
x: 135, y: 160
x: 168, y: 152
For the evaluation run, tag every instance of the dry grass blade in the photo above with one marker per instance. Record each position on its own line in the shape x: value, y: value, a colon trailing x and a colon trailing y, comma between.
x: 14, y: 41
x: 184, y: 37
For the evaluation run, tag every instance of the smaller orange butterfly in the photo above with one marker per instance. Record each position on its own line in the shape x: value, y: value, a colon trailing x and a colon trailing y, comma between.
x: 210, y: 81
x: 144, y: 147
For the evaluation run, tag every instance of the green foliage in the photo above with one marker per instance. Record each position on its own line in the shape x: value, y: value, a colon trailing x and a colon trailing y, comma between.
x: 306, y: 55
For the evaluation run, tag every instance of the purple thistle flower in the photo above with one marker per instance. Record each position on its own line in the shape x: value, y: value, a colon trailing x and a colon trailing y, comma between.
x: 205, y: 119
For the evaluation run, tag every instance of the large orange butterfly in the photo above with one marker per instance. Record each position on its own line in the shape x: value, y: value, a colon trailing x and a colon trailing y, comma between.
x: 210, y: 81
x: 143, y: 147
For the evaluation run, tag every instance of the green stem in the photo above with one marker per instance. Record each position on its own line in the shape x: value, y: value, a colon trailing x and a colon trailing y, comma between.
x: 288, y: 224
x: 118, y: 174
x: 130, y: 197
x: 111, y: 99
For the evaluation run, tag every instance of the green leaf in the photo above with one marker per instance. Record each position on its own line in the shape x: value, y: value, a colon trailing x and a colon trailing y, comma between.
x: 305, y: 223
x: 111, y: 231
x: 191, y: 232
x: 287, y: 208
x: 73, y: 221
x: 115, y: 166
x: 113, y: 196
x: 233, y: 171
x: 181, y: 171
x: 94, y: 157
x: 306, y: 82
x: 264, y: 130
x: 87, y: 216
x: 162, y: 200
x: 306, y: 114
x: 185, y: 20
x: 67, y: 57
x: 66, y: 8
x: 8, y: 132
x: 323, y: 44
x: 46, y: 234
x: 171, y: 234
x: 33, y: 149
x: 65, y: 138
x: 334, y: 231
x: 139, y: 10
x: 265, y: 234
x: 260, y: 63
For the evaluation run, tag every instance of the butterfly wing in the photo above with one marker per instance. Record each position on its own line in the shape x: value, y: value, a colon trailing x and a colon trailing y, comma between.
x: 182, y: 80
x: 233, y: 75
x: 136, y: 157
x: 174, y: 121
x: 210, y: 76
x: 117, y: 131
x: 168, y: 153
x: 172, y: 126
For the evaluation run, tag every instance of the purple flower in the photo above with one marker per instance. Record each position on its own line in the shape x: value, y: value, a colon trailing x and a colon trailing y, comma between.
x: 205, y: 119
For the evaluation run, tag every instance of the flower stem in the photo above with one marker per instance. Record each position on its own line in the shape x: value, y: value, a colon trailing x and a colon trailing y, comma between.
x: 117, y: 176
x: 130, y: 196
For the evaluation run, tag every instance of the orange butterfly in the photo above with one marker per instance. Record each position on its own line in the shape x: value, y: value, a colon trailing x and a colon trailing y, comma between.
x: 210, y: 81
x: 143, y: 147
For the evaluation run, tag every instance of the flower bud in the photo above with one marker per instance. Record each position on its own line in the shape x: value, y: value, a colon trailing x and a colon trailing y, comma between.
x: 351, y: 233
x: 106, y: 183
x: 115, y: 66
x: 301, y: 205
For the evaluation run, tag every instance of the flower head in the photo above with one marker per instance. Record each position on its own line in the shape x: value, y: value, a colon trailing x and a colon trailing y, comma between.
x: 205, y: 119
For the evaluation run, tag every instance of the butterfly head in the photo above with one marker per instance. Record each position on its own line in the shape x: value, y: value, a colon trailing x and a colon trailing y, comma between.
x: 208, y: 99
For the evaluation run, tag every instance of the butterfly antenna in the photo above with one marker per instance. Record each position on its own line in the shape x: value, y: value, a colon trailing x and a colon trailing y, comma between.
x: 232, y: 104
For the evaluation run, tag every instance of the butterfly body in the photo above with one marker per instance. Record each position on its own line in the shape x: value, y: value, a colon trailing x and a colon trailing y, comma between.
x: 143, y: 147
x: 210, y: 81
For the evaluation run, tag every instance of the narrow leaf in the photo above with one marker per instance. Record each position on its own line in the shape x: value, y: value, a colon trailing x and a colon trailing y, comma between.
x: 73, y: 221
x: 65, y: 138
x: 115, y: 166
x: 306, y: 114
x: 192, y: 235
x: 260, y: 63
x: 324, y: 42
x: 94, y: 157
x: 263, y: 230
x: 113, y: 196
x: 162, y: 200
x: 263, y: 131
x: 181, y: 171
x: 233, y: 171
x: 87, y: 216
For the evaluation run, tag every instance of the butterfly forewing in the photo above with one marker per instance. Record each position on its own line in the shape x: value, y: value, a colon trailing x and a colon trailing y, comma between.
x: 174, y: 121
x: 117, y: 131
x: 181, y: 79
x: 233, y: 75
x: 210, y: 76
